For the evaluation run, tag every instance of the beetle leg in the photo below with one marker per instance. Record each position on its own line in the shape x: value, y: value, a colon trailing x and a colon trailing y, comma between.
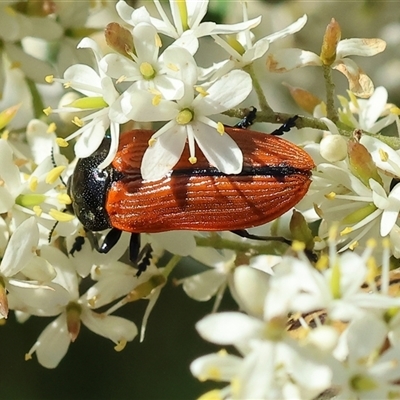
x: 110, y: 241
x: 244, y: 234
x: 286, y: 127
x: 144, y: 258
x: 248, y: 119
x: 134, y: 247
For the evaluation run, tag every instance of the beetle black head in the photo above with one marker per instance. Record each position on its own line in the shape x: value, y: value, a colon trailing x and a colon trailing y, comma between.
x: 88, y: 187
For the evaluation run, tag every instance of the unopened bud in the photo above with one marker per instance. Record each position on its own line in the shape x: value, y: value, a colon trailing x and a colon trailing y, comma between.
x: 119, y: 39
x: 331, y: 39
x: 303, y: 98
x: 361, y: 163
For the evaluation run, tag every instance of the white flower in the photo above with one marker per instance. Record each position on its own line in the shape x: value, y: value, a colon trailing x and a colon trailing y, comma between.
x: 188, y: 121
x: 367, y: 372
x: 148, y: 71
x: 35, y: 193
x: 374, y: 114
x: 360, y: 84
x: 20, y: 256
x: 243, y: 51
x: 54, y: 341
x: 187, y: 26
x: 270, y: 364
x: 101, y: 94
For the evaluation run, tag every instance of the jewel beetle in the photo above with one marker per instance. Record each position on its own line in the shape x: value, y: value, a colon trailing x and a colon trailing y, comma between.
x: 276, y: 175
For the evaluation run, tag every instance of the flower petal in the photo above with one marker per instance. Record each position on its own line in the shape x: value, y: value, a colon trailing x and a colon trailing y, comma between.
x: 221, y: 151
x: 359, y: 47
x: 287, y: 59
x: 218, y: 367
x: 227, y: 92
x: 53, y: 343
x: 203, y: 286
x: 228, y: 327
x: 359, y: 83
x: 115, y: 328
x: 159, y: 159
x: 289, y: 30
x: 21, y: 247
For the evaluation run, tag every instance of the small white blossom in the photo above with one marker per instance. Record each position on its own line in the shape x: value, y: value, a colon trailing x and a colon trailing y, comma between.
x: 186, y: 27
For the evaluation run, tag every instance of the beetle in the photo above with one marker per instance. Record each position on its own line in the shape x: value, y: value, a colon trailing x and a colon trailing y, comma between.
x: 276, y: 175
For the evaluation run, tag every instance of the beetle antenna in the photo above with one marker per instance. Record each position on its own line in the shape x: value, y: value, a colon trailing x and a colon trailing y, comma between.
x: 52, y: 231
x: 53, y: 161
x: 286, y: 127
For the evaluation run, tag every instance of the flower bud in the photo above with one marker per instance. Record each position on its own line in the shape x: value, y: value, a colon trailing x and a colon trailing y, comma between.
x: 361, y: 163
x: 333, y: 148
x: 330, y: 42
x: 119, y: 39
x: 303, y: 98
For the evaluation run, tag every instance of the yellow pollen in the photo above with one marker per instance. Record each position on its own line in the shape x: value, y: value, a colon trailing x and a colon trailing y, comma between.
x: 173, y: 67
x: 214, y: 373
x: 5, y: 134
x: 2, y: 183
x: 51, y: 128
x: 346, y: 231
x: 60, y: 216
x: 78, y: 122
x: 92, y: 301
x: 49, y: 78
x: 193, y: 160
x: 201, y: 91
x: 383, y: 155
x: 54, y: 174
x: 353, y: 245
x: 152, y: 142
x: 395, y: 110
x: 386, y: 243
x: 322, y: 263
x: 330, y: 196
x: 37, y: 210
x: 156, y: 100
x: 28, y: 357
x: 223, y: 353
x: 371, y: 243
x: 120, y: 345
x: 67, y: 85
x: 220, y: 128
x: 63, y: 198
x: 298, y: 246
x: 48, y: 111
x: 61, y: 142
x: 33, y: 183
x: 212, y: 394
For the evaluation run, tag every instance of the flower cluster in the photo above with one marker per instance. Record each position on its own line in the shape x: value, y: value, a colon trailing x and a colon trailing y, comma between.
x: 305, y: 300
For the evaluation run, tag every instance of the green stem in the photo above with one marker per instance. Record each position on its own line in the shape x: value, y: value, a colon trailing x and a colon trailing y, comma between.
x: 37, y: 101
x: 217, y: 242
x: 171, y: 265
x: 257, y: 88
x: 330, y: 93
x: 309, y: 122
